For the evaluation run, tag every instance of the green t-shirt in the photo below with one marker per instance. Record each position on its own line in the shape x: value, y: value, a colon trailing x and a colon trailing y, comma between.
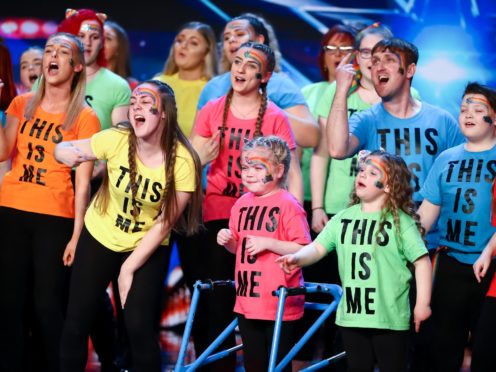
x: 313, y: 93
x: 374, y: 275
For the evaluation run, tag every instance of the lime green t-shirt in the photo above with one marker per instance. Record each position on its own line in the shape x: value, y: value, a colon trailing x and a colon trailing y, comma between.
x: 187, y: 93
x: 312, y: 93
x: 374, y: 274
x: 116, y: 229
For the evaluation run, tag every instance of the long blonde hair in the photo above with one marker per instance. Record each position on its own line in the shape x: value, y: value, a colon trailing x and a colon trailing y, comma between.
x: 78, y: 86
x: 210, y: 60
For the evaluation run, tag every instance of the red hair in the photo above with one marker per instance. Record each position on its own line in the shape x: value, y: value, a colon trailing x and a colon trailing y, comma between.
x: 72, y: 24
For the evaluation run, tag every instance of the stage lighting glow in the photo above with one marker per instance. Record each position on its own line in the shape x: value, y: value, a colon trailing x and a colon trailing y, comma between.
x: 442, y: 70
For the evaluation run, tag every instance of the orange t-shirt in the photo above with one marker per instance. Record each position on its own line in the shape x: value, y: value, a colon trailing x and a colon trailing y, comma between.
x: 37, y: 182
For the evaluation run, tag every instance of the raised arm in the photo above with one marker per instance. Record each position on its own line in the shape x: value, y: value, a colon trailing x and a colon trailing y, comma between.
x: 340, y: 143
x: 307, y: 255
x: 73, y: 153
x: 295, y: 179
x: 148, y: 244
x: 303, y: 125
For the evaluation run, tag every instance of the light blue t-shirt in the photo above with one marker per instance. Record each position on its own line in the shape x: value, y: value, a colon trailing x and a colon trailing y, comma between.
x: 418, y: 140
x: 460, y: 183
x: 281, y: 90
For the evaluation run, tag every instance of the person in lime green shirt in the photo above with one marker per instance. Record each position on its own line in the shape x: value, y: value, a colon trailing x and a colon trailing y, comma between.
x: 153, y: 176
x: 376, y: 239
x: 192, y: 62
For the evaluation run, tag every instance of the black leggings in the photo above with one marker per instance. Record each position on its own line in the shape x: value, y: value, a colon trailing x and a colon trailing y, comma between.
x: 32, y: 274
x: 366, y: 346
x: 94, y: 267
x: 485, y: 342
x: 257, y: 342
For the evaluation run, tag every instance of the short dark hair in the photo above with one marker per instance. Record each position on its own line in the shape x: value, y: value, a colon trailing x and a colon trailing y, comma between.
x: 476, y: 88
x: 257, y: 26
x: 397, y: 45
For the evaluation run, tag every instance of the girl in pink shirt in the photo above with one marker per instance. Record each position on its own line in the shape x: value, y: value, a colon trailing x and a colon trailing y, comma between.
x: 265, y: 222
x: 221, y: 128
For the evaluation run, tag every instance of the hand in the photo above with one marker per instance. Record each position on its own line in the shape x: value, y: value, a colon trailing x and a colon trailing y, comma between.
x: 210, y: 150
x: 224, y: 236
x: 70, y: 155
x: 319, y: 220
x: 124, y: 281
x: 482, y: 265
x: 420, y: 314
x: 288, y: 263
x: 69, y: 253
x: 345, y: 73
x: 255, y: 244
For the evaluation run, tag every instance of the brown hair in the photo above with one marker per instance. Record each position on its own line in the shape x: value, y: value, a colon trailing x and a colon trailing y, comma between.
x: 263, y: 88
x: 122, y: 62
x: 171, y: 136
x: 78, y: 86
x: 400, y: 192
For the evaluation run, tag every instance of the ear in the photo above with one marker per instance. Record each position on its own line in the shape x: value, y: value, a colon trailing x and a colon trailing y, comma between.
x: 279, y: 171
x: 102, y: 17
x: 410, y: 71
x: 78, y: 67
x: 70, y: 12
x: 259, y: 39
x: 387, y: 189
x: 266, y: 77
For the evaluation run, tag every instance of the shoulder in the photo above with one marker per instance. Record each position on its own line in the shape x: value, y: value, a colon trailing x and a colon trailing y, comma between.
x: 112, y: 78
x: 436, y: 110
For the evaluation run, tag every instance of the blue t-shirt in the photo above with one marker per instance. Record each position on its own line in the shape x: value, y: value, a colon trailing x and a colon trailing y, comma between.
x: 460, y: 183
x: 281, y: 90
x: 418, y: 140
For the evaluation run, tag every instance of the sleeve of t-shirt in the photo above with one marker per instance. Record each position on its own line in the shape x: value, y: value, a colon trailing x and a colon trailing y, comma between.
x: 329, y: 235
x: 16, y: 107
x: 296, y: 227
x: 122, y: 93
x: 412, y: 244
x: 282, y: 129
x: 283, y: 92
x: 324, y: 103
x: 431, y: 189
x: 104, y: 143
x: 88, y: 124
x: 184, y: 171
x: 202, y: 122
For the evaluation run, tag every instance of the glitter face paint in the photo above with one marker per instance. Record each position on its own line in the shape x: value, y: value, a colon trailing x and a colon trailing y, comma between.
x: 477, y: 100
x: 144, y: 91
x: 87, y: 27
x: 265, y: 163
x: 258, y: 57
x: 63, y: 42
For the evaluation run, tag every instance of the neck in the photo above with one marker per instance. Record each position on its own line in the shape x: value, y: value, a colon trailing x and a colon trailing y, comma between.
x: 247, y: 99
x: 193, y: 74
x: 56, y: 98
x: 373, y: 206
x: 401, y: 105
x: 367, y: 84
x: 91, y: 71
x: 481, y: 145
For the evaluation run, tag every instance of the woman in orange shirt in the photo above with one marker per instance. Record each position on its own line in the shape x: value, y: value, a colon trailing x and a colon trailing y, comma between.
x: 41, y: 213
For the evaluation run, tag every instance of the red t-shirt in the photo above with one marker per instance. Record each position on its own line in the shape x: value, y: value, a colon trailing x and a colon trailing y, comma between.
x: 279, y: 216
x: 37, y: 182
x: 224, y: 175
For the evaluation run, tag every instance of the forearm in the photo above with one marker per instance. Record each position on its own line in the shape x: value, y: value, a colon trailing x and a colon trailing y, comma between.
x: 310, y: 254
x: 423, y: 280
x: 318, y: 173
x: 303, y: 125
x: 295, y: 179
x: 337, y: 128
x: 282, y: 247
x: 231, y: 246
x: 490, y: 248
x: 81, y: 197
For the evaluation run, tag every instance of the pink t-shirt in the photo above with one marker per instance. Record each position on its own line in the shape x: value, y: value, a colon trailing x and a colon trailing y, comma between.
x: 278, y: 216
x: 224, y: 175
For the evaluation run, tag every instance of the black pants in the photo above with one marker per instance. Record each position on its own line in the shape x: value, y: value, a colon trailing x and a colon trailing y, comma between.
x: 367, y: 346
x: 94, y: 267
x: 456, y: 304
x: 202, y: 258
x: 32, y: 274
x: 257, y: 341
x: 485, y: 343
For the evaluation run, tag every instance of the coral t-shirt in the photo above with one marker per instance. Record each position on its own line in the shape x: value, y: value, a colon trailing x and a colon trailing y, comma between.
x: 279, y: 216
x: 37, y: 182
x: 224, y: 185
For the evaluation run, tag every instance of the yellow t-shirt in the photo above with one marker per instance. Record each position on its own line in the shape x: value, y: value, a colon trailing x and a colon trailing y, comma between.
x: 187, y: 94
x: 116, y: 229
